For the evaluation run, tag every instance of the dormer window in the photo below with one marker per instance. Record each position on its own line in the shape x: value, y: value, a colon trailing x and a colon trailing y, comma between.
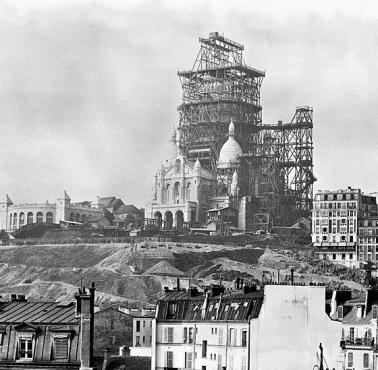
x: 359, y: 312
x: 375, y: 311
x: 340, y: 312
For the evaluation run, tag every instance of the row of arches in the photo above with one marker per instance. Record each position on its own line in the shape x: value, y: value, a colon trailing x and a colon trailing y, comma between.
x: 17, y: 220
x: 169, y: 222
x: 76, y: 217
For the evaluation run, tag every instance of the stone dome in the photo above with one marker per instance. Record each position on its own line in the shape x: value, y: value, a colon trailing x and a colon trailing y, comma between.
x: 231, y: 149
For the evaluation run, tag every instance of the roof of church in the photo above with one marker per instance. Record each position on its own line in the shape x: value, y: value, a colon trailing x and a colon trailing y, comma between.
x: 231, y: 149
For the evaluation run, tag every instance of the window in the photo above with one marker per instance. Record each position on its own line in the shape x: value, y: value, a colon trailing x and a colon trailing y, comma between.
x: 137, y: 341
x: 351, y: 334
x: 138, y: 326
x: 188, y: 335
x: 144, y: 339
x: 244, y: 363
x: 188, y: 360
x: 219, y: 362
x: 350, y: 359
x: 359, y: 312
x: 204, y: 348
x: 340, y: 312
x: 375, y: 311
x: 220, y: 336
x: 60, y: 348
x: 111, y: 324
x: 169, y: 359
x: 168, y: 335
x: 25, y: 348
x: 244, y: 338
x: 144, y: 324
x: 232, y: 337
x: 171, y: 310
x: 366, y: 360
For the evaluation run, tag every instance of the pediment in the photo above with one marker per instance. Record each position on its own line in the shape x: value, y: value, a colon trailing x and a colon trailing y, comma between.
x: 26, y: 328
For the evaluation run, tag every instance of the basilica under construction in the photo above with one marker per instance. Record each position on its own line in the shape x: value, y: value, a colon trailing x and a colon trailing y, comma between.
x: 225, y: 168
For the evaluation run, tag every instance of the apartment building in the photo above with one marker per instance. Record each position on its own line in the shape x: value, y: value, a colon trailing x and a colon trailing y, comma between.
x: 247, y: 328
x: 358, y: 314
x: 368, y: 239
x: 335, y: 222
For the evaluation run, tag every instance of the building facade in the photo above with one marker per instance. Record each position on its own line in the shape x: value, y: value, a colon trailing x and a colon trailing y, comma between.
x: 184, y: 191
x: 13, y: 216
x: 336, y: 217
x: 113, y: 329
x: 275, y: 327
x: 51, y: 335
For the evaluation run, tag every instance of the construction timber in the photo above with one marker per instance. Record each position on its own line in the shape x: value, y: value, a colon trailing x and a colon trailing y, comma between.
x: 276, y: 168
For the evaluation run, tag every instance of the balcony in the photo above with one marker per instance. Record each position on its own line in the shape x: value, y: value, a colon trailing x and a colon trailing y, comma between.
x: 358, y: 342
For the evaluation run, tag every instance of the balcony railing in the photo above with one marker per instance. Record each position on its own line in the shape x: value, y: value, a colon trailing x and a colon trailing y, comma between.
x: 366, y: 342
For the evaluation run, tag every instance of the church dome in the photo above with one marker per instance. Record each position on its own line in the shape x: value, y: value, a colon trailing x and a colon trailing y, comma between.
x: 231, y: 149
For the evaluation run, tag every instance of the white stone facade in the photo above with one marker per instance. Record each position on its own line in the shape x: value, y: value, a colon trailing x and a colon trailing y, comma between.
x: 13, y: 216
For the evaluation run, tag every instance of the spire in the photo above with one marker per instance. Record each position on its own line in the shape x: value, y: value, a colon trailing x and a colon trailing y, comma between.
x: 197, y: 164
x: 8, y: 200
x: 231, y: 129
x: 66, y: 196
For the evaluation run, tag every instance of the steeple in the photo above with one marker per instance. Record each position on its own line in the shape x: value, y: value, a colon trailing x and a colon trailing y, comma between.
x: 231, y: 129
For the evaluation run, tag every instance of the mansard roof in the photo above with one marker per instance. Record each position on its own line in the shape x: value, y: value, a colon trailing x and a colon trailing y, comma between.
x: 230, y: 306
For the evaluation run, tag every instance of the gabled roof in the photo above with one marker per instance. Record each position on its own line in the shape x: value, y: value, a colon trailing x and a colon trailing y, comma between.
x: 127, y: 208
x: 16, y: 312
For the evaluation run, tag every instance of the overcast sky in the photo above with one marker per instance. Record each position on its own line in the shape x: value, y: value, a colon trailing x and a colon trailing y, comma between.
x: 89, y: 89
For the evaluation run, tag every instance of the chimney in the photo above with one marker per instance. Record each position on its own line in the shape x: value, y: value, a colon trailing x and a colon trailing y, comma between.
x: 85, y: 310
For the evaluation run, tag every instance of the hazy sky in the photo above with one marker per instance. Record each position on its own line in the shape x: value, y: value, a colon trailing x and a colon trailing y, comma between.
x: 89, y: 89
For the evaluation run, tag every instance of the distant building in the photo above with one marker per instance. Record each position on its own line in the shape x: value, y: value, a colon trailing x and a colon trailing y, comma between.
x: 51, y: 335
x: 112, y: 329
x: 128, y: 217
x: 142, y: 333
x: 368, y: 239
x: 277, y: 327
x: 184, y: 191
x: 335, y: 219
x: 13, y: 216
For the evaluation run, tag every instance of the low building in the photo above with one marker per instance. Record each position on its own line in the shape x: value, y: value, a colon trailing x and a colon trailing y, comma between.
x: 275, y: 327
x: 113, y: 329
x: 51, y: 335
x: 14, y: 216
x: 142, y: 333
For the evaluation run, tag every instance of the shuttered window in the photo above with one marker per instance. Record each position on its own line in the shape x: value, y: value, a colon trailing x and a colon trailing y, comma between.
x: 60, y: 348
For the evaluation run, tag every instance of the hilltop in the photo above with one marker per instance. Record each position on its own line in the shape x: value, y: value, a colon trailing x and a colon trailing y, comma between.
x: 138, y: 273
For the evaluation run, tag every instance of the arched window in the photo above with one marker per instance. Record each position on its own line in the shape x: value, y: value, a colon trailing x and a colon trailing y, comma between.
x: 188, y: 191
x: 177, y: 166
x: 49, y: 218
x: 176, y: 192
x: 15, y: 220
x: 77, y: 218
x: 22, y: 218
x: 167, y: 191
x: 10, y: 220
x: 29, y: 218
x: 39, y: 217
x: 83, y: 218
x: 72, y: 216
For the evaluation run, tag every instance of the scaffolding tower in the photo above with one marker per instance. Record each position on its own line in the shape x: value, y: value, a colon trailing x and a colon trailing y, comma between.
x: 277, y: 164
x: 220, y: 86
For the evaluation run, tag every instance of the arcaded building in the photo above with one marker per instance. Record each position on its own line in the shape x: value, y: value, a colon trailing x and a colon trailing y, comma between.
x: 13, y: 216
